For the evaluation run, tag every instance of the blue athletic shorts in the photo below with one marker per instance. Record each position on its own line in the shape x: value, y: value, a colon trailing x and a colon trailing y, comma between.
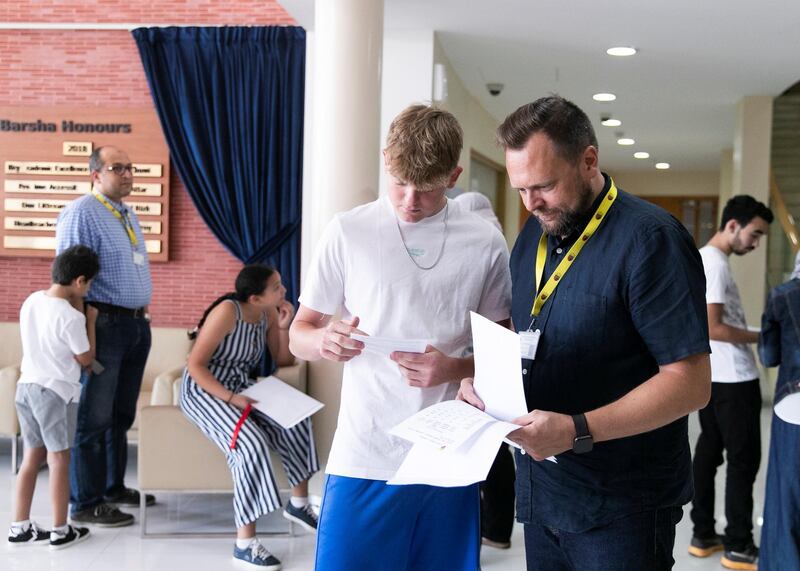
x: 367, y: 525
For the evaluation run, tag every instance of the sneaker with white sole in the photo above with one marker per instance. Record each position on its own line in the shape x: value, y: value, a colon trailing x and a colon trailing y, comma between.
x: 32, y: 535
x: 305, y: 517
x: 255, y: 556
x: 74, y: 535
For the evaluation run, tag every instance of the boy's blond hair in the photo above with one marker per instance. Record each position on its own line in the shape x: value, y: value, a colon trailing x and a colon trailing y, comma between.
x: 423, y: 146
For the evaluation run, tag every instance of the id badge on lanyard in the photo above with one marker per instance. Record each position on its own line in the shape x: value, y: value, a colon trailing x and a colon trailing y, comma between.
x: 529, y: 343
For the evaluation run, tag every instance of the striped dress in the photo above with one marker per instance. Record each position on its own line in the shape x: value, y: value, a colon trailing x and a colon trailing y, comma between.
x: 255, y: 492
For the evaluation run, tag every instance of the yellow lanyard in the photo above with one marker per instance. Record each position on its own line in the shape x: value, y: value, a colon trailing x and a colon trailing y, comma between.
x: 566, y: 263
x: 126, y: 222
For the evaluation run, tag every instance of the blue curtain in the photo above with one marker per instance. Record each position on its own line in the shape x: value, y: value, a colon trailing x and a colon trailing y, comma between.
x: 230, y: 101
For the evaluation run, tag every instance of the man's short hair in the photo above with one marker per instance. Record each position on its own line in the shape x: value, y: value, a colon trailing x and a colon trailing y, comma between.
x: 564, y: 123
x: 743, y: 208
x: 96, y: 160
x: 423, y: 146
x: 73, y: 263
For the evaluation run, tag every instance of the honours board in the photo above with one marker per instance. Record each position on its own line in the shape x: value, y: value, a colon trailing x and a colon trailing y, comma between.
x: 44, y: 165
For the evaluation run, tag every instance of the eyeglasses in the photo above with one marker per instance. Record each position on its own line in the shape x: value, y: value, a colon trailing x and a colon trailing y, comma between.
x: 119, y: 169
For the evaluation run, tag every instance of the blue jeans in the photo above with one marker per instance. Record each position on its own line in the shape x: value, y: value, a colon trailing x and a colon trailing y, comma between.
x: 780, y: 536
x: 640, y: 541
x: 107, y: 410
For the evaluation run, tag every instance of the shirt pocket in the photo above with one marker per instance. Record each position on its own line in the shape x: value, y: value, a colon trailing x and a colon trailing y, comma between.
x: 588, y: 323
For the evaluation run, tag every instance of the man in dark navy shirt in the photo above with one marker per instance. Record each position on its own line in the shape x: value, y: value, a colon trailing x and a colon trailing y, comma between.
x: 621, y: 359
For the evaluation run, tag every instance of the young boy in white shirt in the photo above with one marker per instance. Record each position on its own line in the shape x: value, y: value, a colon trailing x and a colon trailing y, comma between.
x: 410, y: 265
x: 55, y: 347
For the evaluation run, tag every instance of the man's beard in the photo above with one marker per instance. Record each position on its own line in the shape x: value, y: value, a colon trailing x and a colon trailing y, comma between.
x: 567, y: 221
x: 737, y: 248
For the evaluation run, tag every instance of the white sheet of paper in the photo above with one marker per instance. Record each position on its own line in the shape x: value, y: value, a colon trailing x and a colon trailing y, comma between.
x: 788, y: 408
x: 386, y: 345
x: 447, y: 423
x: 498, y: 369
x: 282, y: 402
x: 453, y: 466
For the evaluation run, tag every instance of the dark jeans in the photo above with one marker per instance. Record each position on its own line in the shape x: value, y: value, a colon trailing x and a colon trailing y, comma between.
x: 730, y: 422
x: 497, y: 498
x: 636, y: 542
x: 780, y: 536
x: 107, y: 410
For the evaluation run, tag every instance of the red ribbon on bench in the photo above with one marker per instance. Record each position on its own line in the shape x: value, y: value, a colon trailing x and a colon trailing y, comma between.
x: 239, y: 424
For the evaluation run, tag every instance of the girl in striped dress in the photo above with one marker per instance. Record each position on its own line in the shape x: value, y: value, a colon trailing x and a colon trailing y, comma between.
x: 231, y: 337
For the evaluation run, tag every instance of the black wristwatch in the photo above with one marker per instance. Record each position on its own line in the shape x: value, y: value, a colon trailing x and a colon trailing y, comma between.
x: 583, y: 439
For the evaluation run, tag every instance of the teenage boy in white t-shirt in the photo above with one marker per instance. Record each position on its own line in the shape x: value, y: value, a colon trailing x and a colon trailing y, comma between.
x: 731, y: 420
x: 409, y: 265
x: 55, y: 346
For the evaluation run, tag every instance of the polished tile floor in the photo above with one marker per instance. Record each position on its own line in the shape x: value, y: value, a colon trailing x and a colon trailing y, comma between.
x: 123, y: 550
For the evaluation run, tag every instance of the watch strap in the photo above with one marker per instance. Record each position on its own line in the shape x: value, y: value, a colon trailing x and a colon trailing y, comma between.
x: 583, y: 441
x: 581, y: 426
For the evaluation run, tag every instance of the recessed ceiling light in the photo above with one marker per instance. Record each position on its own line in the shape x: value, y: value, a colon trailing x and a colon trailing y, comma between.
x: 611, y: 122
x: 626, y: 141
x: 641, y: 155
x: 621, y: 51
x: 604, y: 97
x: 662, y: 166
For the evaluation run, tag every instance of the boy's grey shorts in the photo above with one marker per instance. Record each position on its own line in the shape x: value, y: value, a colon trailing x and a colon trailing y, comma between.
x: 45, y: 419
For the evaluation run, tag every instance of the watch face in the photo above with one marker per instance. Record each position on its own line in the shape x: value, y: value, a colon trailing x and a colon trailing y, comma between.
x: 582, y: 444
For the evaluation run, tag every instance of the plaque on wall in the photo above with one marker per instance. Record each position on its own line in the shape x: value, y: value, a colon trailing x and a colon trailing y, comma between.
x: 77, y: 148
x: 45, y: 165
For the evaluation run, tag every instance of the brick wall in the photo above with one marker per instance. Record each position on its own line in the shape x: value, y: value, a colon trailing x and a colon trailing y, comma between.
x: 102, y: 68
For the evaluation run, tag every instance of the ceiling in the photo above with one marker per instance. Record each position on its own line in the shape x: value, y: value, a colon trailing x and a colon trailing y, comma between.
x: 677, y: 97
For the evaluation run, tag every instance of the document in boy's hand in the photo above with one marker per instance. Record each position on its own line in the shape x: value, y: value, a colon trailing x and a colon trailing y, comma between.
x: 454, y: 445
x: 386, y: 346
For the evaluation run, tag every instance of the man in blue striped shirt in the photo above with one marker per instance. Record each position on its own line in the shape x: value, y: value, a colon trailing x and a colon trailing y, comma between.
x: 121, y: 292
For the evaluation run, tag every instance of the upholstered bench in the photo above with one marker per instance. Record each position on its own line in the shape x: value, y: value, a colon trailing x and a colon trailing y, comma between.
x: 175, y: 457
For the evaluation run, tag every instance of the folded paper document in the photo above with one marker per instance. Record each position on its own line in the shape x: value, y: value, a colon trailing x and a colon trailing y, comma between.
x: 454, y: 442
x: 386, y: 346
x: 281, y: 402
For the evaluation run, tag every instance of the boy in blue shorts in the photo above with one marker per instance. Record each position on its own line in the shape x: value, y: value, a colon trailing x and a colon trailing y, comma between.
x: 55, y: 346
x: 410, y: 265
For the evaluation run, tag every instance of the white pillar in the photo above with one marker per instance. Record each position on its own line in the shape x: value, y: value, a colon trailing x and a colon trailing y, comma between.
x: 407, y: 77
x: 348, y: 47
x: 750, y: 175
x: 751, y: 164
x: 725, y: 181
x: 344, y: 95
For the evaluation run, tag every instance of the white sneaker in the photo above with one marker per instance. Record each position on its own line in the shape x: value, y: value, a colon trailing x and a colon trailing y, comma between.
x: 74, y: 535
x: 33, y: 535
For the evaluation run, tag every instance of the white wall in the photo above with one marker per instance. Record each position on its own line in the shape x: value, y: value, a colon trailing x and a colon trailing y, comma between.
x: 407, y: 77
x: 479, y: 135
x: 668, y: 182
